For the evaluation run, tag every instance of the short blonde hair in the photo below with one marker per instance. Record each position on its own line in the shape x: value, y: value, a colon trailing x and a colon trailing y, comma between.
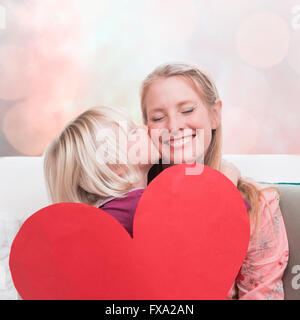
x: 72, y: 166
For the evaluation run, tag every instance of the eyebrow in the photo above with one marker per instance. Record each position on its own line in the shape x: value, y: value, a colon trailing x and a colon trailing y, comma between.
x: 179, y: 104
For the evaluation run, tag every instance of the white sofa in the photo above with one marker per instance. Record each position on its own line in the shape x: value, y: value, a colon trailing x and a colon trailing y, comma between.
x: 23, y: 192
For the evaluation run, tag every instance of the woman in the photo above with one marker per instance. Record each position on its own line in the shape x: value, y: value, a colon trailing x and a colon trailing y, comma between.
x: 181, y: 98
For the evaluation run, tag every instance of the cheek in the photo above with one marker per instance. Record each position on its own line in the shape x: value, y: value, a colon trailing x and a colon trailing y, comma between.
x: 154, y: 136
x: 153, y: 131
x: 160, y: 125
x: 200, y: 120
x: 149, y: 125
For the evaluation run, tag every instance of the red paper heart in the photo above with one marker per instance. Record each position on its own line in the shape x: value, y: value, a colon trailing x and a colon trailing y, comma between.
x: 190, y: 237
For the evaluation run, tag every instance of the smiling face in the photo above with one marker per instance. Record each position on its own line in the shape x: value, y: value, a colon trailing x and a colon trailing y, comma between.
x: 174, y: 105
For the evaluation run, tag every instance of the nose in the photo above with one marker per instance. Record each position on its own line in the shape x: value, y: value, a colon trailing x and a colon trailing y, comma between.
x: 175, y: 123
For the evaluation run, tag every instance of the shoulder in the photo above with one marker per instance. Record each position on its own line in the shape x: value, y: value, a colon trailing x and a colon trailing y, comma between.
x: 268, y: 198
x: 270, y: 223
x: 124, y: 206
x: 268, y: 214
x: 268, y: 235
x: 268, y: 194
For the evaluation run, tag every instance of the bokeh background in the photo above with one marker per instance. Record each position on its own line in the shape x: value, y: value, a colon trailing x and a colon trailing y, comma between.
x: 60, y: 57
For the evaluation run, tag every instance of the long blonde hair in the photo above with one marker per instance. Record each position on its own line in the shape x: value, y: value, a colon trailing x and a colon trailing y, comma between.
x: 75, y: 170
x: 208, y: 92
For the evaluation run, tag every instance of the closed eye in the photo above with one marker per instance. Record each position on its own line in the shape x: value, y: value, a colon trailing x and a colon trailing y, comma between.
x: 188, y: 111
x: 157, y: 119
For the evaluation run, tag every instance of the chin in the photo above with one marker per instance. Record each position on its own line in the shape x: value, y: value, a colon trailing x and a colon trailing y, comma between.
x: 190, y: 159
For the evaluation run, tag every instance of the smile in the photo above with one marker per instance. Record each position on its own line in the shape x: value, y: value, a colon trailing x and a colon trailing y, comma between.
x: 178, y: 142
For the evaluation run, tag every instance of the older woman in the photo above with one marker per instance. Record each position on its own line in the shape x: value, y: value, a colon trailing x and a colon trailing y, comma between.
x: 182, y: 99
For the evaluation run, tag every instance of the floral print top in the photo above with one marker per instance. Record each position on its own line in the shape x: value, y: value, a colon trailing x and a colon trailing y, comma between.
x: 260, y: 277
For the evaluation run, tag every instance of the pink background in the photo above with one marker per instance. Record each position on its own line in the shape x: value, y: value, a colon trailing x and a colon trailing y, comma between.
x: 60, y: 57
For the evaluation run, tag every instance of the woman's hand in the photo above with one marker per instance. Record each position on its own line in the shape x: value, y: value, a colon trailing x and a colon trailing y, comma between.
x: 230, y: 171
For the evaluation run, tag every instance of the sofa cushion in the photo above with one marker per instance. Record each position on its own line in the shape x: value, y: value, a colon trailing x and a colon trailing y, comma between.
x: 290, y: 208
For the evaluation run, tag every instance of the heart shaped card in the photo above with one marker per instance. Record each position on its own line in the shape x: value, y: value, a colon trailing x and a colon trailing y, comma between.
x: 190, y: 237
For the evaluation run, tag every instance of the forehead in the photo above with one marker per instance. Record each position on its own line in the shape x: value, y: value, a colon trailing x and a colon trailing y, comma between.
x: 172, y: 91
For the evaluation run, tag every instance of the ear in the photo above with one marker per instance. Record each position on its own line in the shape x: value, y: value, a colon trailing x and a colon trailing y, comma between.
x: 216, y: 114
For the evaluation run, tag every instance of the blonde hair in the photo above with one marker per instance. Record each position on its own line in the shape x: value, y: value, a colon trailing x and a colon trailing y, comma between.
x: 76, y: 170
x: 208, y: 92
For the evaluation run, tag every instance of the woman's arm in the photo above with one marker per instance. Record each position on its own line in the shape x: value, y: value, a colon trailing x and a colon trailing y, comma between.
x: 260, y: 277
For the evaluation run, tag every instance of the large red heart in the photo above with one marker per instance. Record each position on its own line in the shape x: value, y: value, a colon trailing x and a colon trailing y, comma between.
x: 191, y: 234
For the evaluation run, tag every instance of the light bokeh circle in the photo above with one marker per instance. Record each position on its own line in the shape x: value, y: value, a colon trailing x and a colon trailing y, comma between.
x: 29, y: 128
x: 263, y: 39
